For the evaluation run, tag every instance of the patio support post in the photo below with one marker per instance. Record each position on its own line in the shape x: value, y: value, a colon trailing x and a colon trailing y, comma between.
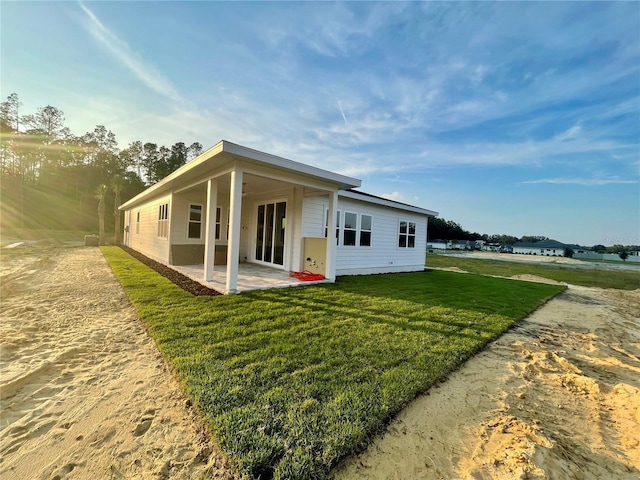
x: 233, y: 252
x: 210, y: 229
x: 330, y: 261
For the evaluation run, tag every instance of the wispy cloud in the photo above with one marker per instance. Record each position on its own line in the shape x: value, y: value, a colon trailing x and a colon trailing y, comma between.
x: 342, y: 113
x: 396, y: 196
x: 117, y: 47
x: 587, y: 182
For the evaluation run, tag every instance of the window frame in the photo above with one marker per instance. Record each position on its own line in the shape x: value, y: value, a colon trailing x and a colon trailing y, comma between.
x: 198, y: 222
x: 326, y: 224
x: 407, y: 235
x: 353, y: 229
x: 361, y: 230
x: 138, y: 222
x: 163, y: 220
x: 217, y: 222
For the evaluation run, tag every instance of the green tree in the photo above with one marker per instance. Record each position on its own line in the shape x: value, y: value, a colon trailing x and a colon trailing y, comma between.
x: 623, y: 255
x: 117, y: 184
x: 195, y: 149
x: 101, y: 192
x: 568, y: 252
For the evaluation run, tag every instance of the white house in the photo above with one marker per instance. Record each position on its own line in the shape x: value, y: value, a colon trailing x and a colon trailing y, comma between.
x: 232, y: 205
x: 549, y: 248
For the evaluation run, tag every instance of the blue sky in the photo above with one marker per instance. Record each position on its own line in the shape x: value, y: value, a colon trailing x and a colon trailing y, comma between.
x: 517, y: 118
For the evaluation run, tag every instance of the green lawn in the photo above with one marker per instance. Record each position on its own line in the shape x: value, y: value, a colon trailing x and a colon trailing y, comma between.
x: 621, y: 279
x: 291, y: 380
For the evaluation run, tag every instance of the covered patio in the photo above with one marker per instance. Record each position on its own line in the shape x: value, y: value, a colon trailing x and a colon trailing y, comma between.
x: 250, y: 277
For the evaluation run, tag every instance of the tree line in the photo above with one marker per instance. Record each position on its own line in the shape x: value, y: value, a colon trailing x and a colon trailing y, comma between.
x: 441, y: 229
x: 53, y: 179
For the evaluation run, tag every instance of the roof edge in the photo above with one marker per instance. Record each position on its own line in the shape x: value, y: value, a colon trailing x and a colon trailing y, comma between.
x: 367, y: 197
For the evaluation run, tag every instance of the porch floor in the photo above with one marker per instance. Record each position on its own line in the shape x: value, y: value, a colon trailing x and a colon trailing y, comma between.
x: 250, y: 277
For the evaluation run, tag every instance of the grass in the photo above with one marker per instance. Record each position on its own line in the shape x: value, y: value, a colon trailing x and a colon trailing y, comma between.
x: 289, y: 381
x: 620, y: 279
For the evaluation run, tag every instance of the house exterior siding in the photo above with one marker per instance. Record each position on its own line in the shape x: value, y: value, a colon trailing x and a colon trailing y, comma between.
x: 383, y: 255
x: 242, y: 179
x: 143, y: 235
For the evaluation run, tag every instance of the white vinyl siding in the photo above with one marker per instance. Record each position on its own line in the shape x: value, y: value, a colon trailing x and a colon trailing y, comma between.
x: 145, y: 236
x: 194, y: 229
x: 383, y: 254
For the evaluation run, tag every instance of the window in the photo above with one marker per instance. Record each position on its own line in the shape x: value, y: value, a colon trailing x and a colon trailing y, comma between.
x: 326, y: 225
x: 137, y: 222
x: 163, y: 220
x: 218, y: 223
x: 350, y: 229
x: 407, y: 234
x: 365, y: 230
x: 195, y: 221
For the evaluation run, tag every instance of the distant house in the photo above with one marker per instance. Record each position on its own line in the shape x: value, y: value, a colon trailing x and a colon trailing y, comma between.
x: 233, y: 205
x: 548, y: 248
x: 463, y: 245
x: 439, y: 245
x: 491, y: 247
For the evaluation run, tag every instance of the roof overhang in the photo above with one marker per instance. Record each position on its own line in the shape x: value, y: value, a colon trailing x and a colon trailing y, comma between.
x: 366, y: 197
x: 223, y: 152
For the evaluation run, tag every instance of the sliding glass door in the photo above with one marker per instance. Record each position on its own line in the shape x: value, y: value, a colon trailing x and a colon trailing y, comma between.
x: 270, y: 232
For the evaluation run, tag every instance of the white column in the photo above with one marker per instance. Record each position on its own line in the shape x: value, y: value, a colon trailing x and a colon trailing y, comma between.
x: 233, y: 250
x: 330, y: 261
x: 210, y: 229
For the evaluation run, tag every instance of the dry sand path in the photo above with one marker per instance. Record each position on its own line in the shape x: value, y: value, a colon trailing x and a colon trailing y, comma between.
x: 84, y: 391
x: 558, y: 397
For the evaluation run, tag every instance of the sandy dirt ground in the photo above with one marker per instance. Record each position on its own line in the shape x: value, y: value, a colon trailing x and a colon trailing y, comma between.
x: 84, y: 391
x: 558, y: 397
x: 540, y: 259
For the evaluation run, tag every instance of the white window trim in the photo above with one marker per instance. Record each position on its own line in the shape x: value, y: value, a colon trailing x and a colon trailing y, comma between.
x: 189, y: 221
x: 407, y: 235
x: 163, y: 220
x: 340, y: 228
x: 360, y: 230
x: 355, y: 229
x: 218, y: 231
x: 338, y: 236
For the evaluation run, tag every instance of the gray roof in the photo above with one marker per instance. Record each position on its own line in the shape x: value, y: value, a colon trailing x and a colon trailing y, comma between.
x: 544, y: 244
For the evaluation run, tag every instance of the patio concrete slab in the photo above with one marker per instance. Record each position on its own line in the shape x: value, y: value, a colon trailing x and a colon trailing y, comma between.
x: 250, y: 277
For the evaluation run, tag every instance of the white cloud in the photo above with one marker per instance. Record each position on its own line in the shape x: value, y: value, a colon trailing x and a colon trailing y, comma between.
x: 587, y: 182
x: 396, y: 196
x: 147, y: 74
x: 570, y: 134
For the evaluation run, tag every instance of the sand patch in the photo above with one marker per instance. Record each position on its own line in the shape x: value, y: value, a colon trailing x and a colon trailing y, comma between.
x: 557, y: 397
x: 535, y: 278
x: 85, y: 393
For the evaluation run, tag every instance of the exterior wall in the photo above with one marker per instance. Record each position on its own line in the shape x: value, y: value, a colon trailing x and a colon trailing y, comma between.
x: 293, y: 237
x: 190, y: 251
x: 144, y: 237
x: 384, y: 255
x: 547, y: 252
